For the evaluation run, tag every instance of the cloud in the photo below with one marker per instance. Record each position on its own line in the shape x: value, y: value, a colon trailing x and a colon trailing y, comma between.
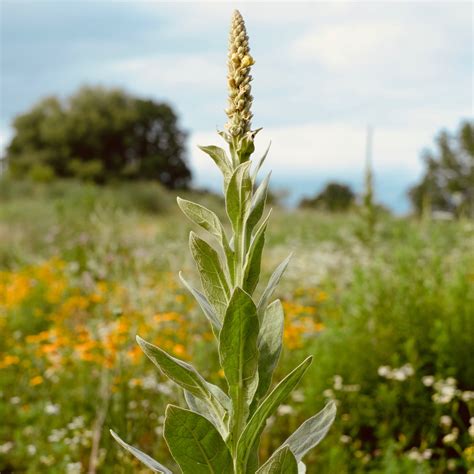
x: 303, y: 157
x: 391, y: 41
x: 172, y: 70
x: 6, y: 134
x: 320, y: 148
x: 343, y: 47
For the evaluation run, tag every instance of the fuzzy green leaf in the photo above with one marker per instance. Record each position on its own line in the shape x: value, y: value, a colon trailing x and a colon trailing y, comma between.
x: 209, y: 221
x: 312, y: 431
x: 201, y: 216
x: 214, y: 282
x: 203, y: 408
x: 194, y: 443
x: 269, y: 346
x: 238, y: 195
x: 282, y: 461
x: 257, y: 206
x: 204, y: 304
x: 148, y: 461
x: 220, y: 159
x: 183, y: 374
x: 253, y: 262
x: 254, y: 257
x: 239, y: 354
x: 271, y: 285
x: 257, y: 422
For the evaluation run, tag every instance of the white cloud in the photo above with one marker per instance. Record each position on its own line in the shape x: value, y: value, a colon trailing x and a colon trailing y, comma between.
x: 304, y: 156
x: 320, y: 148
x: 6, y: 134
x: 347, y: 46
x: 172, y: 70
x: 394, y: 48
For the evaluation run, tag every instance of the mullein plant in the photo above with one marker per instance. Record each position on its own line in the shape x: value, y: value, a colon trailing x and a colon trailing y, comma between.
x: 219, y: 432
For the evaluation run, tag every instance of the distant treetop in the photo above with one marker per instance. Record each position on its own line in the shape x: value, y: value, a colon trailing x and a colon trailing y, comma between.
x: 335, y: 197
x: 100, y: 135
x: 448, y: 181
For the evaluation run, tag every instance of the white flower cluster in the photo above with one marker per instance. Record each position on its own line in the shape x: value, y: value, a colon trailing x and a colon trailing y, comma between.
x: 446, y: 390
x: 51, y: 409
x: 74, y: 435
x: 339, y: 386
x: 400, y: 374
x: 149, y: 382
x: 451, y: 437
x: 74, y: 468
x: 6, y: 447
x: 419, y: 456
x: 285, y: 410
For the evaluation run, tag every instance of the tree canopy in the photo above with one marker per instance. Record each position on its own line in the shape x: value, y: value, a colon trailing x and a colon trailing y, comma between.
x: 448, y: 181
x: 101, y: 135
x: 335, y: 197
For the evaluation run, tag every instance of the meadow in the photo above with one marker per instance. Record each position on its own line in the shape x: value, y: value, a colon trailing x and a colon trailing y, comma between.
x: 387, y: 314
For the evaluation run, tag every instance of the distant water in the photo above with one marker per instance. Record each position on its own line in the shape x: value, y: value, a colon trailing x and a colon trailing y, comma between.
x: 390, y: 188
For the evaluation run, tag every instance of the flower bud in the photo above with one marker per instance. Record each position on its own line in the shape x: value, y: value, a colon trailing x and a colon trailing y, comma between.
x: 238, y: 79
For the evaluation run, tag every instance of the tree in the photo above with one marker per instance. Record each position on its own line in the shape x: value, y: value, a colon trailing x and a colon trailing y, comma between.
x: 448, y: 182
x: 335, y: 197
x: 101, y: 135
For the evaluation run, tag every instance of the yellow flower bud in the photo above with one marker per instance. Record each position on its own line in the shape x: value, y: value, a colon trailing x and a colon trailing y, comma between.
x: 238, y: 79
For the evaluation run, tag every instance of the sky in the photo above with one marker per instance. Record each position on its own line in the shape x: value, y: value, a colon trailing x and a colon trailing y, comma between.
x: 324, y: 72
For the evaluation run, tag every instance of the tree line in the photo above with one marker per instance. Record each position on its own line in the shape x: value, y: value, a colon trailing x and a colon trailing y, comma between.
x: 106, y: 135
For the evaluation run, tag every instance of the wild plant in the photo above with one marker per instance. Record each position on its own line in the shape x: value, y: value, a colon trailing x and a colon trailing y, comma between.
x: 219, y: 432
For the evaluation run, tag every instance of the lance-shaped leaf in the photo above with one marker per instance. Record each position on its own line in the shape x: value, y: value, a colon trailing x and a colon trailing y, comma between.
x: 269, y: 346
x: 282, y: 461
x: 203, y: 408
x: 220, y: 159
x: 183, y: 374
x: 253, y: 262
x: 257, y: 422
x: 312, y: 431
x: 254, y: 257
x: 148, y: 461
x: 209, y: 221
x: 257, y: 206
x: 214, y: 283
x: 204, y: 304
x: 238, y: 194
x: 201, y: 216
x: 194, y: 443
x: 260, y: 163
x: 272, y: 284
x: 239, y: 354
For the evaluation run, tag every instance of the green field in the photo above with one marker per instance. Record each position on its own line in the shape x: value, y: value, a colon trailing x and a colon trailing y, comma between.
x: 388, y: 317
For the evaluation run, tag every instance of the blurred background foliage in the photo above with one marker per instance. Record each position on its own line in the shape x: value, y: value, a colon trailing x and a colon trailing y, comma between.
x: 448, y: 181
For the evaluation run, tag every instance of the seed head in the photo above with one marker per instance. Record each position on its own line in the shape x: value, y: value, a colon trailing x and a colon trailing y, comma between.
x: 238, y: 79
